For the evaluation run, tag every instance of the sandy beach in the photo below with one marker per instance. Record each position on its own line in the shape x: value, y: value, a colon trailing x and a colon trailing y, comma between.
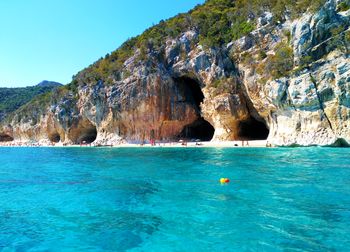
x: 214, y: 144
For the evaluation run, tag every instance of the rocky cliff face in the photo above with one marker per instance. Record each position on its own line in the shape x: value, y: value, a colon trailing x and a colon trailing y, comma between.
x: 311, y: 106
x: 192, y: 92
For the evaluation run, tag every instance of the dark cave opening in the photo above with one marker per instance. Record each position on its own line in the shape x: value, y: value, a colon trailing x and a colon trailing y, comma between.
x: 191, y: 90
x: 54, y: 137
x: 340, y: 142
x: 252, y: 129
x: 87, y: 135
x: 5, y: 138
x: 199, y: 129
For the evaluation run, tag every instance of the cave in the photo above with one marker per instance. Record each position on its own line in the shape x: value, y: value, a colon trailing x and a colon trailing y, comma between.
x: 340, y: 142
x: 252, y: 129
x: 87, y: 135
x: 5, y: 138
x: 82, y: 132
x: 199, y: 129
x: 54, y: 137
x: 191, y: 90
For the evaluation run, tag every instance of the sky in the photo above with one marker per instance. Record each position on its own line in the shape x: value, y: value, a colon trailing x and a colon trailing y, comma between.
x: 54, y: 39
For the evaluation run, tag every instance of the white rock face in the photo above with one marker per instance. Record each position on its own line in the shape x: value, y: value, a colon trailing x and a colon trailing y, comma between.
x: 310, y: 107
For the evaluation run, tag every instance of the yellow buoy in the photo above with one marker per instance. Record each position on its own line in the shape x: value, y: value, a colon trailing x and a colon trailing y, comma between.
x: 224, y: 180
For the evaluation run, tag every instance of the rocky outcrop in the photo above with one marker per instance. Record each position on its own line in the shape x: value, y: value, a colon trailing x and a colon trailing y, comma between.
x: 311, y: 106
x: 192, y: 92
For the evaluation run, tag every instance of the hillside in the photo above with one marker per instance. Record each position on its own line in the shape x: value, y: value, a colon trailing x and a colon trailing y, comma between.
x: 225, y: 70
x: 217, y: 22
x: 12, y: 98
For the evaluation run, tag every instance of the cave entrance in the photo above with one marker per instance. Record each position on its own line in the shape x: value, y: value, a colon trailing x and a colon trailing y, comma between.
x: 87, y: 135
x: 252, y: 129
x: 6, y: 138
x: 200, y: 128
x: 54, y: 137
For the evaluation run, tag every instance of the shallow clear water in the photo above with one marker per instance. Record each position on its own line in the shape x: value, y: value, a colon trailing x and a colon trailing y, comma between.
x: 169, y: 199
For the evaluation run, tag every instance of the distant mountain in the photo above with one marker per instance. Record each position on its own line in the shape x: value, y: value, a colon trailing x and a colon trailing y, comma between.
x: 12, y: 98
x: 46, y: 83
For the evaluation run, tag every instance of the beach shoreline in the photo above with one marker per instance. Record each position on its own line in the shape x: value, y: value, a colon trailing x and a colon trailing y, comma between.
x: 213, y: 144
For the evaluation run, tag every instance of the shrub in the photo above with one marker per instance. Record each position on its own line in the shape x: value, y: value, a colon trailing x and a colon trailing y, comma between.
x: 281, y: 63
x: 262, y: 55
x: 282, y: 60
x: 217, y: 21
x: 343, y: 6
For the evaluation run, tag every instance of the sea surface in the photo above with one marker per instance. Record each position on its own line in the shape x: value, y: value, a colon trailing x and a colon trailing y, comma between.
x: 170, y: 199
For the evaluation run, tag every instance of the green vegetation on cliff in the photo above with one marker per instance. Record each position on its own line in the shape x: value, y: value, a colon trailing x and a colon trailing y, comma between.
x: 279, y: 64
x: 13, y: 98
x: 40, y: 103
x: 218, y: 22
x: 344, y: 6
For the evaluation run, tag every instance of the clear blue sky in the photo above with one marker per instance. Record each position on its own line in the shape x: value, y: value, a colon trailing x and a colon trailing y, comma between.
x: 54, y: 39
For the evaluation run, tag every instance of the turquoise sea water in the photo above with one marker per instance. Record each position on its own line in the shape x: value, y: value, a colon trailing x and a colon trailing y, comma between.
x: 169, y: 199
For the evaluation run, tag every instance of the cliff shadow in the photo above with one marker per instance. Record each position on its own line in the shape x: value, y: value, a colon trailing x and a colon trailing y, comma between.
x: 200, y: 128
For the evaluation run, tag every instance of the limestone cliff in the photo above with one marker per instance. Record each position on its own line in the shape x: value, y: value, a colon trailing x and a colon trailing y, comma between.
x: 239, y: 90
x: 311, y: 105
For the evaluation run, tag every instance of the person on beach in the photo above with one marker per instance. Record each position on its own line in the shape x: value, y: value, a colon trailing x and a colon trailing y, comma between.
x: 268, y: 144
x: 246, y: 143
